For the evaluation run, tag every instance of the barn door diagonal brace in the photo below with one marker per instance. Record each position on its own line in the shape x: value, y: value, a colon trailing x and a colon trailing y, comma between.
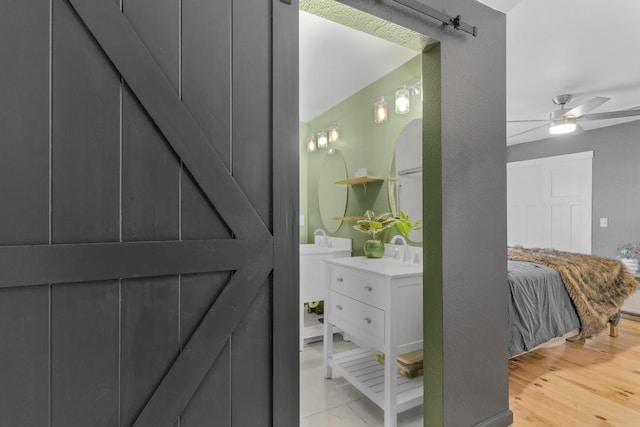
x: 440, y: 16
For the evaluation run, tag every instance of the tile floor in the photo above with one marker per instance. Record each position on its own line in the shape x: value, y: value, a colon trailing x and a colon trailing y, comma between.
x: 335, y: 402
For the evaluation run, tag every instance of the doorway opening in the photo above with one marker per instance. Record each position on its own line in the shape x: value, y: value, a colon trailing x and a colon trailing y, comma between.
x: 360, y: 143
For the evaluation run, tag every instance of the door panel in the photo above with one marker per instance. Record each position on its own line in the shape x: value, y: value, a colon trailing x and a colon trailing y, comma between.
x: 25, y: 125
x: 149, y: 321
x: 549, y: 203
x: 141, y: 290
x: 84, y: 354
x: 85, y: 135
x: 150, y: 178
x: 24, y: 355
x: 206, y: 78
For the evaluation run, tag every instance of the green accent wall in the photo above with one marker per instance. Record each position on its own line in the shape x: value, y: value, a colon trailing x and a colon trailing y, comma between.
x: 362, y: 144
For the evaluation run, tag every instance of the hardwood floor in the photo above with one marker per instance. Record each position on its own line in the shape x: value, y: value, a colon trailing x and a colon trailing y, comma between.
x: 593, y: 382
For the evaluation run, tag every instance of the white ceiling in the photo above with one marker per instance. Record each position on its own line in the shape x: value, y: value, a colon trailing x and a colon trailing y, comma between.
x: 586, y: 48
x: 337, y: 61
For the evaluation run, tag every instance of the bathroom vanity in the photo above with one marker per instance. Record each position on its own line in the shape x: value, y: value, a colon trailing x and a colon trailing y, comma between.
x: 312, y: 276
x: 378, y: 303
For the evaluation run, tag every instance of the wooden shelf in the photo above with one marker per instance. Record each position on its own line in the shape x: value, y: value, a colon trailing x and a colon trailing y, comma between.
x: 348, y: 218
x: 360, y: 180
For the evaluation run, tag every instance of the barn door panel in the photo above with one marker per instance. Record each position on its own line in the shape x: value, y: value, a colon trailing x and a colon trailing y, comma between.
x: 150, y: 178
x: 212, y: 400
x: 149, y: 322
x: 84, y: 354
x: 205, y: 91
x: 24, y: 88
x: 85, y: 135
x: 24, y: 355
x: 137, y: 280
x: 24, y: 212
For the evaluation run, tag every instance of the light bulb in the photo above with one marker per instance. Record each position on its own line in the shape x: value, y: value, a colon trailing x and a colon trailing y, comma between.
x: 380, y: 110
x: 334, y: 133
x: 402, y: 101
x: 311, y: 144
x: 322, y: 138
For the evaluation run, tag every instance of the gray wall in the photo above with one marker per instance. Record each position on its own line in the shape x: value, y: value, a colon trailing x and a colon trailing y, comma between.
x: 616, y: 173
x: 466, y: 377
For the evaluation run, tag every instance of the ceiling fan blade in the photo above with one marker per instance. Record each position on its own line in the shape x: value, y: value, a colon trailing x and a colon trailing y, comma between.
x: 527, y: 121
x: 610, y: 115
x: 583, y: 108
x: 529, y: 130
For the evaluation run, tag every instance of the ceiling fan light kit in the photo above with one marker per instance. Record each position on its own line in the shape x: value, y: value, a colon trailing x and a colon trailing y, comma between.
x: 563, y: 121
x: 563, y: 126
x: 560, y: 124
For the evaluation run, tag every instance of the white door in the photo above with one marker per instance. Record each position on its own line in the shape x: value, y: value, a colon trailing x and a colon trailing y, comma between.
x: 549, y: 202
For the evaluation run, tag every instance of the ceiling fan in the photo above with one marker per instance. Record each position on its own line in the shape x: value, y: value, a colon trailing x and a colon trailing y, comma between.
x: 564, y: 120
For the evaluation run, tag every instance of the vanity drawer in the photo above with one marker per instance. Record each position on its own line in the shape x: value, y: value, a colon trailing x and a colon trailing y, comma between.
x: 364, y: 287
x: 361, y: 320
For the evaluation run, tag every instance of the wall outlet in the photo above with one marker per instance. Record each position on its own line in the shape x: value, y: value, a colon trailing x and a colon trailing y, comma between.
x: 604, y: 222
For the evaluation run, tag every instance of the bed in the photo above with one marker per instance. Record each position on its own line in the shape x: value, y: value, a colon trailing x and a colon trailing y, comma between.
x: 555, y: 294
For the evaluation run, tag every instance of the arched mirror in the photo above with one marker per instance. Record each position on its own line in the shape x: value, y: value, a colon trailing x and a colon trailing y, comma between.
x: 406, y: 190
x: 332, y: 198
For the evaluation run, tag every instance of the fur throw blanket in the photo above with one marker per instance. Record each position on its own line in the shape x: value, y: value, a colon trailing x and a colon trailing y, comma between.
x: 597, y: 286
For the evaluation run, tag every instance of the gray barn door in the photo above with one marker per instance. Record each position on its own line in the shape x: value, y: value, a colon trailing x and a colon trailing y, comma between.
x: 137, y: 210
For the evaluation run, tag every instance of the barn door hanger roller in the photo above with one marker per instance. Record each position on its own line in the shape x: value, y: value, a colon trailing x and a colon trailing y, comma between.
x: 440, y: 16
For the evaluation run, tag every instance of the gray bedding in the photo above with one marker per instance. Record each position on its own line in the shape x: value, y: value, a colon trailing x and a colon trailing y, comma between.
x: 539, y: 308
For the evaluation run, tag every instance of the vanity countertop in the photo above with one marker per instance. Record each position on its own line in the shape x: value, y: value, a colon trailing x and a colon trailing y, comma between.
x: 311, y: 249
x: 382, y: 266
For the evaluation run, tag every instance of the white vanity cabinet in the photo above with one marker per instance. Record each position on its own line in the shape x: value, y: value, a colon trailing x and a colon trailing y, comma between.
x: 378, y: 303
x: 312, y: 279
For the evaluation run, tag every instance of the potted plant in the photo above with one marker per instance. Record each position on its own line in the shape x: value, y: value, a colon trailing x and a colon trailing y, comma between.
x: 627, y: 251
x: 405, y: 225
x: 374, y: 225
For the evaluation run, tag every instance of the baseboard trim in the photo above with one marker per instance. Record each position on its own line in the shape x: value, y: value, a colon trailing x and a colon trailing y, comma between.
x: 503, y: 419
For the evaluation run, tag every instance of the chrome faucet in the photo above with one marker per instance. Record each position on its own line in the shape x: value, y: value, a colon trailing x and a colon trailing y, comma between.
x: 324, y: 242
x: 406, y: 255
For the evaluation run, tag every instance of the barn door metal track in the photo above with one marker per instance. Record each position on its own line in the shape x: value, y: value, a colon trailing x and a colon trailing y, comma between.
x: 440, y: 16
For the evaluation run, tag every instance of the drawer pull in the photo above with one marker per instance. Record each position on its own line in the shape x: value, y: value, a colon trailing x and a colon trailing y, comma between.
x: 368, y: 288
x: 339, y: 279
x: 339, y: 307
x: 367, y: 320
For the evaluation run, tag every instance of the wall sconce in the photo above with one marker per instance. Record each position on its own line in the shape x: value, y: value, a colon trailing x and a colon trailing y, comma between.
x: 380, y: 110
x: 334, y: 133
x: 403, y: 104
x: 403, y: 96
x: 322, y: 138
x: 311, y: 144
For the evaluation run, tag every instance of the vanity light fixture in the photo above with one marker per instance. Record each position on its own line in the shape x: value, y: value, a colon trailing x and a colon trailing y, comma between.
x: 403, y: 104
x: 311, y: 144
x: 403, y: 95
x: 380, y: 110
x: 322, y: 138
x: 334, y: 133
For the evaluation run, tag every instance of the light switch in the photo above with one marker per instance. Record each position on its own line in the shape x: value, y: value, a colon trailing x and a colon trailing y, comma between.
x: 301, y: 220
x: 604, y: 222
